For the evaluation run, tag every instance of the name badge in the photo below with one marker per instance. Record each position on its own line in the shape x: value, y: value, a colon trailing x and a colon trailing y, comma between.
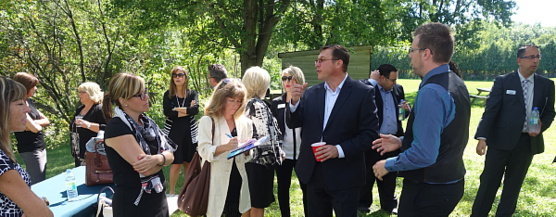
x: 281, y: 106
x: 510, y: 92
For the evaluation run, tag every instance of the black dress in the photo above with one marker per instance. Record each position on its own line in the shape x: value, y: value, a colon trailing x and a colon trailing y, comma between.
x: 94, y: 115
x: 182, y: 130
x: 128, y: 183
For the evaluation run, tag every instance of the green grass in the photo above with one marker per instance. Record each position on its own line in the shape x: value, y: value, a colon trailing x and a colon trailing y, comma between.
x: 537, y: 198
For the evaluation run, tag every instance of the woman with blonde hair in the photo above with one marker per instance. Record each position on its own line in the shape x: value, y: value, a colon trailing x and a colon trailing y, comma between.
x: 291, y: 141
x: 180, y: 107
x: 88, y: 120
x: 136, y: 149
x: 16, y: 197
x: 30, y: 143
x: 266, y: 156
x: 229, y: 189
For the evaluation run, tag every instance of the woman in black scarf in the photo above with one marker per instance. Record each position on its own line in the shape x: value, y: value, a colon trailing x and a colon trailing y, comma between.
x: 136, y: 149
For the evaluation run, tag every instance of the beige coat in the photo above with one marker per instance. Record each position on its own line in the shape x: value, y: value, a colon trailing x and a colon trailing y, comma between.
x: 220, y: 166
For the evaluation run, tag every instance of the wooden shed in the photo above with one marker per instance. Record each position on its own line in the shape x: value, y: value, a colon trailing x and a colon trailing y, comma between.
x: 359, y: 63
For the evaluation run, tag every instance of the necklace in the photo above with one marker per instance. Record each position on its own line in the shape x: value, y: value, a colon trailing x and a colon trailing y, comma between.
x: 178, y: 101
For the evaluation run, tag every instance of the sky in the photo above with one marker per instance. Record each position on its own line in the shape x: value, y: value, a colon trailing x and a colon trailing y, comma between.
x: 536, y: 11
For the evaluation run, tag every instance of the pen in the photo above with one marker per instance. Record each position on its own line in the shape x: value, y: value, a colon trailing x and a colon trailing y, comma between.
x: 228, y: 135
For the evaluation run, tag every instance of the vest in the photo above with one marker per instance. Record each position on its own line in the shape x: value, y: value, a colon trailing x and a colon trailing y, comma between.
x: 449, y: 165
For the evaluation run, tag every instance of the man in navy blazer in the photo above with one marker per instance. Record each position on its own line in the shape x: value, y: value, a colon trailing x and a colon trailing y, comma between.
x: 387, y: 98
x: 503, y: 128
x: 340, y: 112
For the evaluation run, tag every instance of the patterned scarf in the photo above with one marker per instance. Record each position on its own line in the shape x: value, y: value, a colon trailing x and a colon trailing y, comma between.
x: 148, y: 132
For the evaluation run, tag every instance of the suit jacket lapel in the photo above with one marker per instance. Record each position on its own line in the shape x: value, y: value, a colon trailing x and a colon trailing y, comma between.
x: 321, y: 93
x: 342, y: 98
x: 519, y: 88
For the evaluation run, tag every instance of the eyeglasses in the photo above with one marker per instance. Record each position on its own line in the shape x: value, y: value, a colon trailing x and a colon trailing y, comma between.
x: 289, y: 78
x: 392, y: 80
x: 531, y: 57
x: 143, y: 95
x: 223, y: 83
x: 322, y: 60
x: 412, y: 49
x: 81, y: 92
x: 179, y: 75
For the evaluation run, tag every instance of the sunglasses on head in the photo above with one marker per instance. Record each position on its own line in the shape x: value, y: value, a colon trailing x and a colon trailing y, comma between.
x: 289, y: 78
x: 179, y: 75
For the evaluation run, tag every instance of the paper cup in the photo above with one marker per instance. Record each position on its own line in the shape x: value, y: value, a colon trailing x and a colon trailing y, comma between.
x: 315, y: 146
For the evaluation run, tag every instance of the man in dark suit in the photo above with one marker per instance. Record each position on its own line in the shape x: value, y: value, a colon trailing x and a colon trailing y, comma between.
x: 340, y: 112
x: 437, y: 131
x: 503, y: 128
x: 388, y: 95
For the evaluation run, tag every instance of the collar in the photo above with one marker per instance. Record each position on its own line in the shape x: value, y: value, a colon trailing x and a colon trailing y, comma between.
x: 438, y: 70
x: 521, y: 78
x: 327, y: 87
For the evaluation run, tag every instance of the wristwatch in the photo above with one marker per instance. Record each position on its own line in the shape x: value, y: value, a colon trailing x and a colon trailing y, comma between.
x: 88, y: 125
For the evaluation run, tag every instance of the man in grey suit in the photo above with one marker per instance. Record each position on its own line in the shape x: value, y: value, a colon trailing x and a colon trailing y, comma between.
x: 503, y: 128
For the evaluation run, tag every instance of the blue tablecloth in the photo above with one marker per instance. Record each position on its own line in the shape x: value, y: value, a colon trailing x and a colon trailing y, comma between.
x: 54, y: 189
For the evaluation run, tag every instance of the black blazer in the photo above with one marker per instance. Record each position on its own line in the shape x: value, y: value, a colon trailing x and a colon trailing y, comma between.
x: 398, y: 94
x: 504, y: 114
x: 352, y: 124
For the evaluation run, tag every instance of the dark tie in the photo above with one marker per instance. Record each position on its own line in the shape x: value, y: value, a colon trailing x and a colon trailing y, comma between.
x: 525, y: 86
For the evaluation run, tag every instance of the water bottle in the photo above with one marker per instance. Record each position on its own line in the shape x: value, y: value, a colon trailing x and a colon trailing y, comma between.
x: 533, y: 126
x: 401, y: 112
x: 71, y: 187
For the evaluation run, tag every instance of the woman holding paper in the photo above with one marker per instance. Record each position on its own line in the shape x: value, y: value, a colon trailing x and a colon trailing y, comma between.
x: 229, y: 191
x: 267, y: 155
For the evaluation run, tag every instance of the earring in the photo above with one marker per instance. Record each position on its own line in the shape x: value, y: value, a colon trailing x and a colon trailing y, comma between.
x: 125, y: 105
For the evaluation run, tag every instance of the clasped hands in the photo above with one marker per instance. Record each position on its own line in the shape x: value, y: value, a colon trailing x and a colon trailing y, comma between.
x: 386, y: 143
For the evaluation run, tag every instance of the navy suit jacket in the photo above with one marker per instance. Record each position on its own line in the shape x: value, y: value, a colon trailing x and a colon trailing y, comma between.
x: 504, y: 114
x: 352, y: 124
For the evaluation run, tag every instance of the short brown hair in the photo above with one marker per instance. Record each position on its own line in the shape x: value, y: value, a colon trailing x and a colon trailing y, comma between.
x: 339, y: 52
x: 28, y: 80
x: 438, y: 38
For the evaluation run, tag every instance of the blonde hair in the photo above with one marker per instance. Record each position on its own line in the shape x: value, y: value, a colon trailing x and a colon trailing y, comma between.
x: 227, y: 88
x: 93, y: 89
x: 296, y: 73
x: 256, y: 81
x: 10, y: 91
x: 173, y: 87
x: 123, y: 85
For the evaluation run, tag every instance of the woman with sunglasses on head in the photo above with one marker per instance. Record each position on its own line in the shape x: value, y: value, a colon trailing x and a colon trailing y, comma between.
x: 30, y: 143
x: 221, y: 130
x: 180, y: 107
x: 16, y: 197
x: 88, y: 120
x: 136, y: 149
x: 291, y: 140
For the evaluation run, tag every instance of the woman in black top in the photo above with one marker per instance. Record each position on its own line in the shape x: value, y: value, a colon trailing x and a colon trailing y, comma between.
x: 88, y: 120
x: 291, y: 140
x: 136, y: 149
x: 30, y: 143
x: 180, y: 107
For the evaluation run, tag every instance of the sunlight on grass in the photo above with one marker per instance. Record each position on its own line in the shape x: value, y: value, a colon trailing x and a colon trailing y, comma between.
x: 537, y: 198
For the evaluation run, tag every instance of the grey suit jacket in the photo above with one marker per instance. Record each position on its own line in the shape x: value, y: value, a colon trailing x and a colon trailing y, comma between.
x: 504, y: 115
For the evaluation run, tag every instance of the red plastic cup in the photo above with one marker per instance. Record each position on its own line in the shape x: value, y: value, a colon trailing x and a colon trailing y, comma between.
x: 315, y: 146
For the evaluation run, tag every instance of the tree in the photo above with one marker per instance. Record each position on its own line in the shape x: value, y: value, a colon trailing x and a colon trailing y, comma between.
x: 245, y: 26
